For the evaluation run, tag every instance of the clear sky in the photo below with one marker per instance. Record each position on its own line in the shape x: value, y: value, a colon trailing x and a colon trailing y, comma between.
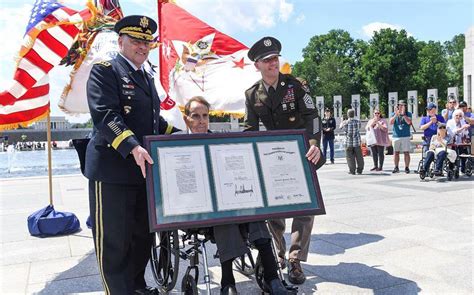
x: 293, y: 22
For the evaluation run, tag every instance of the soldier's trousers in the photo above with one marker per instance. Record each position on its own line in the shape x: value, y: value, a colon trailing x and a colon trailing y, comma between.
x: 301, y: 228
x: 122, y: 240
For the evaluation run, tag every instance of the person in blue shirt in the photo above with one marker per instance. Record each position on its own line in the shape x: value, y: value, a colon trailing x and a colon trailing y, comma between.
x: 401, y: 121
x: 451, y: 105
x: 429, y: 124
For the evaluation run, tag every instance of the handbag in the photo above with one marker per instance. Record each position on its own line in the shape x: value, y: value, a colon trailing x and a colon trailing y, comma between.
x: 370, y: 137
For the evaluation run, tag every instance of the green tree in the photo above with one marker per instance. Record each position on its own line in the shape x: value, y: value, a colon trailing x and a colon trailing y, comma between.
x: 389, y: 63
x: 432, y: 71
x: 328, y: 65
x: 454, y: 54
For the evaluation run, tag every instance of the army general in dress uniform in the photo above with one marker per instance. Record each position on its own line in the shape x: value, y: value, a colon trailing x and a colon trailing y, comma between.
x: 280, y: 101
x: 124, y: 107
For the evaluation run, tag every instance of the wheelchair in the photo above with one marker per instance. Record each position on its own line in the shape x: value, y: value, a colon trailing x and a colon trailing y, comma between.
x: 169, y: 247
x: 464, y: 153
x: 451, y: 168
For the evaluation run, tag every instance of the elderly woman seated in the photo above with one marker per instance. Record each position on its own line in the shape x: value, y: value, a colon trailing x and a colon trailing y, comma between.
x: 231, y: 239
x: 438, y: 148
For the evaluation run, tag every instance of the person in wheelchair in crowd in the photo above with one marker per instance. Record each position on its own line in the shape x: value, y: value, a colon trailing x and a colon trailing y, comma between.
x: 438, y: 149
x: 231, y: 239
x: 458, y: 129
x: 429, y: 124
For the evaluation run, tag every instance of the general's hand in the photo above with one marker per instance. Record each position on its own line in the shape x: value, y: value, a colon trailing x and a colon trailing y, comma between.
x: 313, y: 154
x: 141, y: 156
x: 434, y: 119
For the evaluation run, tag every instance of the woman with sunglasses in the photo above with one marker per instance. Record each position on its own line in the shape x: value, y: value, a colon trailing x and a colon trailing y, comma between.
x: 438, y: 148
x: 378, y: 126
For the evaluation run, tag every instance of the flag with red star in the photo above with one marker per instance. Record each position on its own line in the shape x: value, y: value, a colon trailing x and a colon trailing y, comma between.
x: 197, y: 59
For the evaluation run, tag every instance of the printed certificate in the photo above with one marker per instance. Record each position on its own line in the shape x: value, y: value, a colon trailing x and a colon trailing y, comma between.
x: 283, y: 173
x: 236, y: 176
x: 184, y: 180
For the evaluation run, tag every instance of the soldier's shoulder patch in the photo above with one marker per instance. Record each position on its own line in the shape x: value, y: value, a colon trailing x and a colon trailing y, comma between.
x: 103, y: 63
x: 308, y: 101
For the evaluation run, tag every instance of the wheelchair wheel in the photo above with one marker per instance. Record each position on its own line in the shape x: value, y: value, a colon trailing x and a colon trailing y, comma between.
x: 259, y: 275
x: 468, y: 168
x: 245, y: 264
x: 165, y: 259
x: 450, y: 175
x: 422, y: 173
x: 189, y: 285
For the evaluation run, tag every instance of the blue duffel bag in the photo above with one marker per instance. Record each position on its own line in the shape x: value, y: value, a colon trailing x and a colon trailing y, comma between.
x: 49, y: 222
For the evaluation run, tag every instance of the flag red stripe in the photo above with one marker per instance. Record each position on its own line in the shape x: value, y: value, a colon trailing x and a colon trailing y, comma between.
x: 24, y: 78
x: 6, y: 98
x: 68, y: 10
x: 35, y: 92
x: 71, y: 30
x: 53, y: 44
x: 37, y: 60
x: 23, y: 116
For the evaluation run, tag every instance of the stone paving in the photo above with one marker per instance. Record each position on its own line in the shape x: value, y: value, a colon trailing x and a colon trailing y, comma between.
x: 382, y: 234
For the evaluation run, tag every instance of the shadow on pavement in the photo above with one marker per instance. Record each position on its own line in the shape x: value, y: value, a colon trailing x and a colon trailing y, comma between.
x: 362, y: 276
x: 338, y: 243
x: 81, y: 278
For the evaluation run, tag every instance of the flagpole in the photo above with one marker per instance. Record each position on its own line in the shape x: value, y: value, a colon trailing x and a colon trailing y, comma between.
x: 50, y: 173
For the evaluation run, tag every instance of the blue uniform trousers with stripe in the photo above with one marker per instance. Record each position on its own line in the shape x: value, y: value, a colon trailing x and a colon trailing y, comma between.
x: 121, y: 234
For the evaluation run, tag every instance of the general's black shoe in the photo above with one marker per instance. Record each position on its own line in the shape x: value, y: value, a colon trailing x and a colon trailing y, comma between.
x: 407, y: 170
x: 276, y: 287
x: 229, y: 290
x: 146, y: 291
x: 295, y: 273
x: 395, y: 170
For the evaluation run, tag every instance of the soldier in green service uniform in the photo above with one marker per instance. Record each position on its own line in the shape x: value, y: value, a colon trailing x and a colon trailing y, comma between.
x: 280, y: 101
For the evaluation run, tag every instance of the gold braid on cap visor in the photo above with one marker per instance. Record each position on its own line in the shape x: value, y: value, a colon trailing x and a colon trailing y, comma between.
x: 136, y: 32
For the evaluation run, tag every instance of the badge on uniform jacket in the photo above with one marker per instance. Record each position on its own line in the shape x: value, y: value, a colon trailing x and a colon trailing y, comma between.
x: 126, y: 79
x: 128, y: 86
x: 292, y: 119
x: 127, y: 109
x: 289, y: 96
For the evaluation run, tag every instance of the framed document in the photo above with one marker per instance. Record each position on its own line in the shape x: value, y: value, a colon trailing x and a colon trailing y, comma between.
x: 200, y: 180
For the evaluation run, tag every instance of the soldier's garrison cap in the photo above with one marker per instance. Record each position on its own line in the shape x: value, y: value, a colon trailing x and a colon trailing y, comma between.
x: 264, y: 48
x: 138, y: 27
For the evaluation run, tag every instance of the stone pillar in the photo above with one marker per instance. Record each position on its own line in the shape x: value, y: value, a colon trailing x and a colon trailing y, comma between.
x: 337, y: 106
x: 432, y: 96
x: 392, y: 102
x: 412, y: 102
x: 453, y: 91
x: 355, y: 104
x: 373, y: 103
x: 320, y: 105
x: 234, y: 123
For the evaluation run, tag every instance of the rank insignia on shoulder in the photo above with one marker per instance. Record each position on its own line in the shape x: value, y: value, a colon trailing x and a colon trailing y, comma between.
x: 305, y: 88
x: 308, y: 101
x: 103, y: 63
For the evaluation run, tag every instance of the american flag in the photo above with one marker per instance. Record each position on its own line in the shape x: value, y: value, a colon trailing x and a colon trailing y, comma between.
x: 51, y: 31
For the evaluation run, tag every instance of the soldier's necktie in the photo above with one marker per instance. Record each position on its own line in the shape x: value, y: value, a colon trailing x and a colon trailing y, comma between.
x: 141, y: 73
x: 271, y: 91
